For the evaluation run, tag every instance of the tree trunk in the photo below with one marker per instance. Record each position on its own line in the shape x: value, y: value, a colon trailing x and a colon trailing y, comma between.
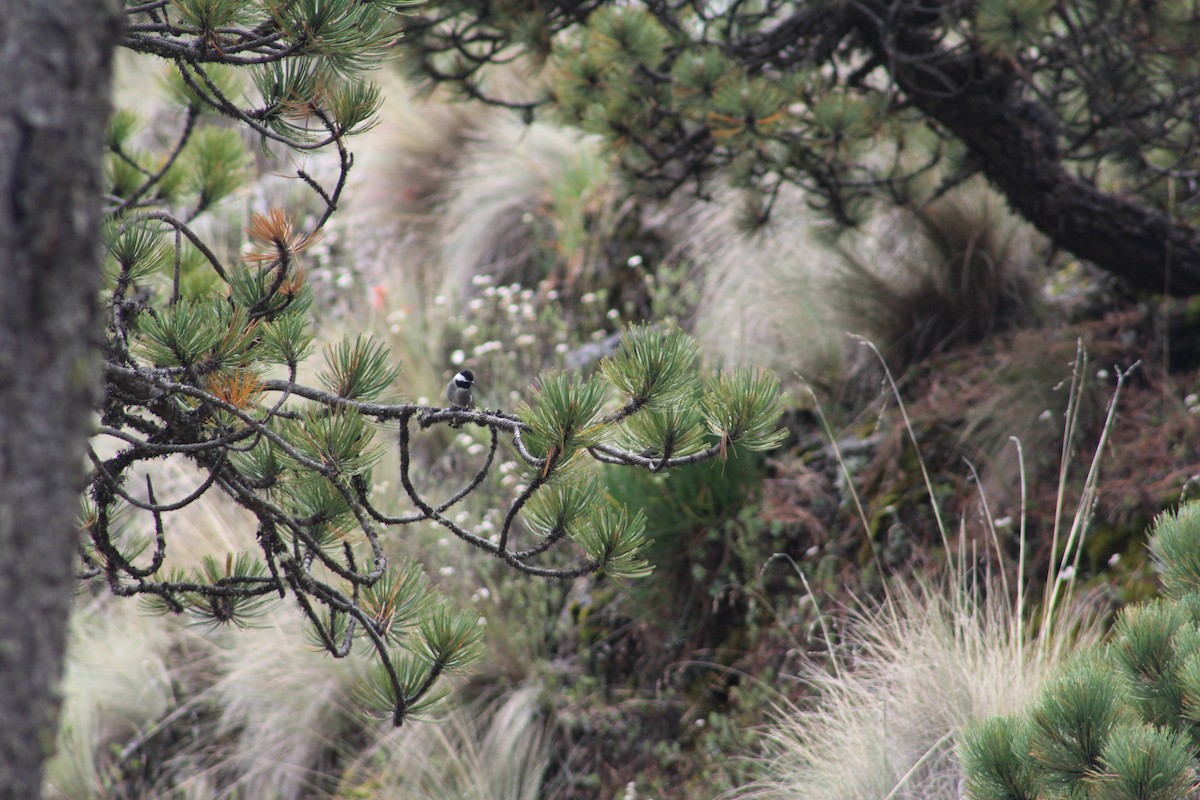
x: 979, y: 100
x: 55, y: 82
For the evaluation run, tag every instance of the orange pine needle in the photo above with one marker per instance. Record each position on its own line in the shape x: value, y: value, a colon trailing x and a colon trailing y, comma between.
x: 276, y: 237
x: 239, y: 388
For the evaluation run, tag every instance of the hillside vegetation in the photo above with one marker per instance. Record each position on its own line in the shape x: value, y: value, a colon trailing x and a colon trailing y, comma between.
x: 980, y: 431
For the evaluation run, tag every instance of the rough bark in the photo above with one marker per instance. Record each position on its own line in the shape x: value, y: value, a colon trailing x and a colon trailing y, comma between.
x: 55, y: 82
x: 979, y: 100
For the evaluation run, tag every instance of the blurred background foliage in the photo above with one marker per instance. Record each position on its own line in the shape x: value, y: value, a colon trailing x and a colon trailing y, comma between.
x: 847, y: 601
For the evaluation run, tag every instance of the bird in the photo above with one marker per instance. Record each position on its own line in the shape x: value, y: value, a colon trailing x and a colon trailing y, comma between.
x: 458, y: 392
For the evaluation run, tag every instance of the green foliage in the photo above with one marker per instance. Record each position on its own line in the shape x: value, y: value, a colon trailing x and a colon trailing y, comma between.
x: 399, y: 600
x: 204, y: 358
x: 1007, y: 27
x: 628, y: 35
x: 347, y: 37
x: 1071, y: 725
x: 855, y: 104
x: 286, y: 339
x: 136, y: 250
x: 742, y: 406
x: 1173, y: 548
x: 565, y: 416
x: 1146, y: 763
x: 208, y: 16
x: 655, y: 368
x: 614, y: 540
x: 660, y: 422
x: 339, y: 441
x: 219, y: 80
x: 293, y: 92
x: 563, y: 507
x: 122, y: 124
x: 1148, y: 643
x: 269, y: 292
x: 843, y: 115
x: 235, y: 608
x: 662, y: 433
x: 194, y: 333
x: 698, y: 499
x: 993, y: 748
x: 216, y: 164
x: 358, y: 370
x: 697, y: 74
x: 1120, y: 723
x: 323, y: 507
x: 409, y: 690
x: 446, y: 639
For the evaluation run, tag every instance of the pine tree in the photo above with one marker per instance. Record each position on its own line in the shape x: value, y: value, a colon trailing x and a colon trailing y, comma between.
x: 55, y: 80
x: 199, y: 353
x: 1119, y: 724
x: 1081, y: 114
x: 202, y: 356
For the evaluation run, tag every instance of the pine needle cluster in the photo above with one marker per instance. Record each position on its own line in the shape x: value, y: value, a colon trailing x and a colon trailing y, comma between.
x: 1120, y: 722
x: 207, y: 369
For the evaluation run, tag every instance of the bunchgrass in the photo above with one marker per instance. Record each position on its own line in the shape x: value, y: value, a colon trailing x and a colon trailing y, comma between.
x: 923, y: 280
x: 499, y: 752
x: 118, y: 684
x: 763, y: 299
x: 524, y: 203
x: 888, y: 706
x: 285, y: 712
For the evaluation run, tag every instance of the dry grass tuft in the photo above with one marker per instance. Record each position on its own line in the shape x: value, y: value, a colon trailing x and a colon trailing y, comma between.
x: 954, y: 272
x: 526, y: 203
x: 500, y: 752
x: 285, y: 712
x: 118, y: 683
x: 910, y: 677
x: 763, y: 297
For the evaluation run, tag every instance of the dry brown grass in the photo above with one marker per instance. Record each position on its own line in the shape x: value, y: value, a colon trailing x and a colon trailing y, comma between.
x: 924, y: 280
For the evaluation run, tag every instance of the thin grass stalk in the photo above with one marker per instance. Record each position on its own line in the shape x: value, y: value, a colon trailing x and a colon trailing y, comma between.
x: 833, y: 657
x: 1087, y: 499
x: 965, y: 604
x: 837, y: 453
x: 991, y: 526
x: 1064, y: 463
x: 912, y: 437
x: 933, y: 748
x: 1020, y: 617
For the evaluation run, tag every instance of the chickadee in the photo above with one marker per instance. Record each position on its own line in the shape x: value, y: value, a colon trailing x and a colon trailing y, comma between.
x: 459, y: 390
